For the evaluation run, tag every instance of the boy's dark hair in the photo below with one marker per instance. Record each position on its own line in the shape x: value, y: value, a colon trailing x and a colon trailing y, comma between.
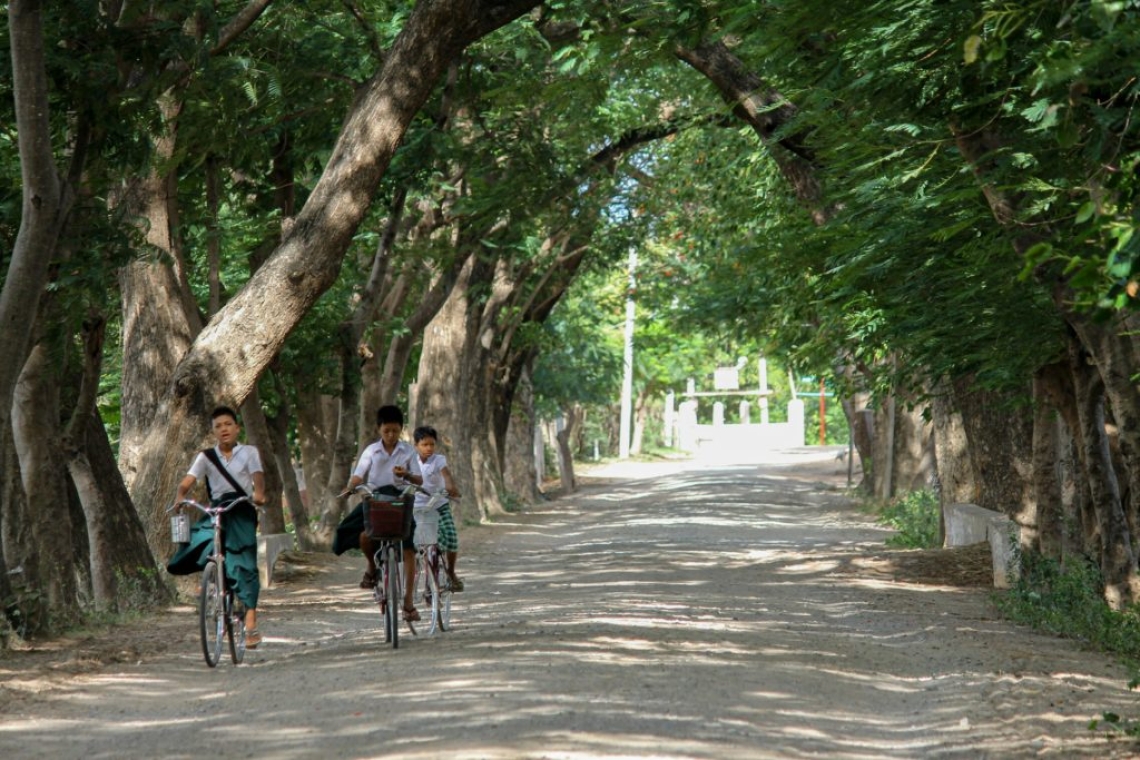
x: 222, y: 411
x: 425, y: 431
x: 389, y: 413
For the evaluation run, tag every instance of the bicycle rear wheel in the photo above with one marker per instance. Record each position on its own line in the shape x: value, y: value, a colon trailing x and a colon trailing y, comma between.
x: 235, y: 627
x: 211, y: 615
x: 394, y: 594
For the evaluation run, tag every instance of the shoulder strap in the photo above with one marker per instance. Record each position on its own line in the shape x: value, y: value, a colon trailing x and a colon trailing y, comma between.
x: 213, y: 457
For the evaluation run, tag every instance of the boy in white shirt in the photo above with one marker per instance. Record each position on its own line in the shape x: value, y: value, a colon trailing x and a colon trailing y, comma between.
x: 376, y: 468
x: 243, y: 463
x: 430, y: 471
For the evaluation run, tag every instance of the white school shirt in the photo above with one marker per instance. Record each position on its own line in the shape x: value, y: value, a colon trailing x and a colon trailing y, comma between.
x: 245, y: 462
x: 375, y: 465
x: 432, y: 473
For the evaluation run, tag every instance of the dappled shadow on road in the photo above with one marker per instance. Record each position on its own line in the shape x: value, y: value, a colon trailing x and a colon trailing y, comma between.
x: 711, y: 613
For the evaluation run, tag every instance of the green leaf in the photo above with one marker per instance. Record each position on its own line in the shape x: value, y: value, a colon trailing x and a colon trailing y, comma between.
x: 1039, y: 253
x: 1086, y: 211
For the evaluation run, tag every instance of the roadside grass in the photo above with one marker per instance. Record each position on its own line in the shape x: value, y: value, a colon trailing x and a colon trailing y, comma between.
x: 916, y: 517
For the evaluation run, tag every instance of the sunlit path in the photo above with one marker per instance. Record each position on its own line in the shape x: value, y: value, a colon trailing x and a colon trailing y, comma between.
x: 702, y: 611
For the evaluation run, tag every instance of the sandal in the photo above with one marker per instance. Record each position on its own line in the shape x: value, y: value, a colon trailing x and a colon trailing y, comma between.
x: 252, y: 638
x: 456, y: 584
x: 411, y: 614
x: 369, y: 579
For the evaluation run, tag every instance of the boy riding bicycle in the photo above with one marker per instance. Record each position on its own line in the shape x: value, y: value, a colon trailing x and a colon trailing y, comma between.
x: 431, y: 473
x: 377, y: 468
x: 230, y: 470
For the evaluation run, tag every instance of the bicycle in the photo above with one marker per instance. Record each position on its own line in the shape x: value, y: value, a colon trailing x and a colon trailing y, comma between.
x: 387, y: 520
x: 430, y: 565
x: 221, y: 615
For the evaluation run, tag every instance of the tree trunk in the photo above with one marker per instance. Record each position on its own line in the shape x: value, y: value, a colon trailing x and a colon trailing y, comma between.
x: 1117, y: 562
x: 45, y: 205
x: 1111, y: 350
x: 160, y: 315
x: 957, y: 479
x: 1042, y: 529
x: 45, y: 198
x: 155, y: 336
x: 123, y: 571
x: 914, y: 460
x: 279, y: 437
x: 448, y: 367
x: 272, y: 516
x: 315, y: 417
x: 640, y: 417
x: 24, y: 606
x: 160, y: 318
x: 36, y: 432
x: 124, y: 575
x: 10, y: 496
x: 345, y: 445
x: 565, y: 453
x: 883, y: 450
x: 520, y: 475
x: 860, y: 420
x: 243, y: 338
x: 385, y: 383
x: 1000, y: 433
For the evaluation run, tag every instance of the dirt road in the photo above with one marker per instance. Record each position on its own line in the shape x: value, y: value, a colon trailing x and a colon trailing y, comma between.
x: 686, y: 610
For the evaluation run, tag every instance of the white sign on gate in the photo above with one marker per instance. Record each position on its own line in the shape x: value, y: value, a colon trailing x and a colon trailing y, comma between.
x: 726, y: 379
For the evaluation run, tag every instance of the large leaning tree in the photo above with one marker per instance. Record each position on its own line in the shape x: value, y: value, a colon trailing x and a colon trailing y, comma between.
x: 241, y: 340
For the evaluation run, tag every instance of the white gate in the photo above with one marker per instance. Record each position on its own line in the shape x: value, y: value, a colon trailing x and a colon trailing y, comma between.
x: 700, y: 428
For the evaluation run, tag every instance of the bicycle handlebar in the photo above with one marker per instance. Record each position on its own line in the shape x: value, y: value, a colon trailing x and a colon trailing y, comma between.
x: 366, y: 491
x: 212, y: 509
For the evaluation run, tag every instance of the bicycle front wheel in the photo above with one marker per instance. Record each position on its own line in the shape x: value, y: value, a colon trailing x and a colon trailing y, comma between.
x: 444, y: 584
x: 211, y: 615
x: 429, y: 570
x: 394, y: 593
x: 235, y: 627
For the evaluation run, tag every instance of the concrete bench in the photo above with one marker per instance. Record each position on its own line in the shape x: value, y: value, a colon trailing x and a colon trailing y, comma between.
x: 970, y: 524
x: 268, y: 547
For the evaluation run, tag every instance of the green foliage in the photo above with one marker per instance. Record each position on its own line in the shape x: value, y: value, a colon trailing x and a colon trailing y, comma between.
x: 581, y: 357
x: 1069, y: 601
x: 1072, y: 74
x: 916, y: 516
x: 1115, y: 723
x: 910, y: 262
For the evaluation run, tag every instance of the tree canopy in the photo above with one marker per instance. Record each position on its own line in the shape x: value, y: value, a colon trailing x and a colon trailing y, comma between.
x: 319, y: 207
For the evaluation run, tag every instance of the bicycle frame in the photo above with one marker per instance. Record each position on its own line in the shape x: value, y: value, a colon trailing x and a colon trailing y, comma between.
x: 436, y: 593
x: 389, y: 589
x: 430, y: 565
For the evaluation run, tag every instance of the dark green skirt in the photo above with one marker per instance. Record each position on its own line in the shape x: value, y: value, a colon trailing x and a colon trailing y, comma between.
x: 240, y: 537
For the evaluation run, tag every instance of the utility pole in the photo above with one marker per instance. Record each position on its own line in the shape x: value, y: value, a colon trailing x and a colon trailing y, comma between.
x: 626, y: 431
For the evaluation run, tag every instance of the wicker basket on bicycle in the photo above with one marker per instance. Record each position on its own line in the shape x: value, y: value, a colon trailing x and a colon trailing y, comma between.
x: 388, y: 516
